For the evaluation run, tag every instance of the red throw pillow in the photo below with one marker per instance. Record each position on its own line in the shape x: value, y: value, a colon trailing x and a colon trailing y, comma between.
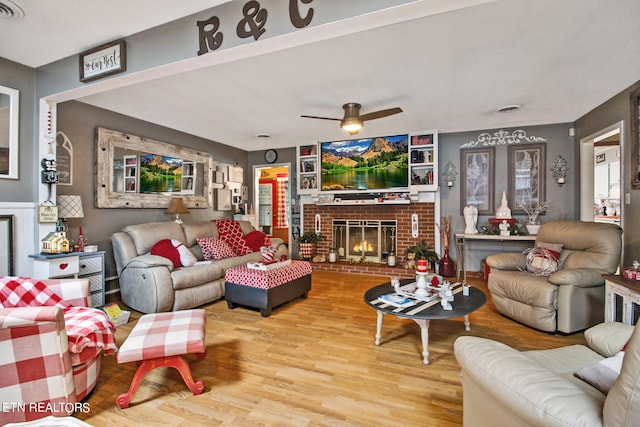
x: 230, y: 231
x: 165, y: 249
x: 23, y: 292
x: 214, y: 248
x: 255, y: 240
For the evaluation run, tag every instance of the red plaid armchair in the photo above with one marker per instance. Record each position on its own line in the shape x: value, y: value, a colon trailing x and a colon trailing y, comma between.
x: 50, y: 351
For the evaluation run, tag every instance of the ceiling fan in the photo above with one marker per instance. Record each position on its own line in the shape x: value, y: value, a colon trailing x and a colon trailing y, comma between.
x: 352, y: 121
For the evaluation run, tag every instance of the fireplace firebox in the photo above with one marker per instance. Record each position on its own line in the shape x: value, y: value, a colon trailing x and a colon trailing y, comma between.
x: 368, y: 240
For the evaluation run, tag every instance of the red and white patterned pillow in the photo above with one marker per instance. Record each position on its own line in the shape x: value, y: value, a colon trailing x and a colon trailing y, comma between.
x: 214, y: 248
x: 23, y: 292
x: 230, y: 231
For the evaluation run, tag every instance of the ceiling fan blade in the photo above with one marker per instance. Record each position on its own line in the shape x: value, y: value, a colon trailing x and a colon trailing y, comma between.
x: 380, y: 114
x: 321, y: 118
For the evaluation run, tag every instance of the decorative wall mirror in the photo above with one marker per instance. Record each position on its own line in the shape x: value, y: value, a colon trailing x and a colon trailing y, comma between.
x: 9, y: 111
x: 136, y: 172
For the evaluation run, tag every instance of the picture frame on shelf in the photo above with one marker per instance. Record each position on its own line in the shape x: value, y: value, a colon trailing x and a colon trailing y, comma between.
x: 477, y: 169
x: 422, y: 139
x: 527, y: 172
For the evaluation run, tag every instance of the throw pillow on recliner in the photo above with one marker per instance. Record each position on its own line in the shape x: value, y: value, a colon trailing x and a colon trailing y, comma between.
x: 543, y: 259
x: 255, y: 240
x: 174, y: 251
x: 214, y: 248
x: 229, y: 230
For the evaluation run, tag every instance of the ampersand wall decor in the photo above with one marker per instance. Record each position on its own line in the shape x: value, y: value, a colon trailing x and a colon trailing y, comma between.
x: 254, y: 20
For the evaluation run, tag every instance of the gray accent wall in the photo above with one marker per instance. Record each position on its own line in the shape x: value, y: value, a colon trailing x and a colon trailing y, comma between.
x: 617, y: 109
x: 22, y: 78
x: 78, y: 122
x: 562, y: 198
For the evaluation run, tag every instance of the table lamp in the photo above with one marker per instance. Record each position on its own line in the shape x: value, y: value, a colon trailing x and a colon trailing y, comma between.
x: 69, y: 207
x: 177, y: 207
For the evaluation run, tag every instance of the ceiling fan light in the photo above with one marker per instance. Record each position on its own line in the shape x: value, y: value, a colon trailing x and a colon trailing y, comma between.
x: 351, y: 126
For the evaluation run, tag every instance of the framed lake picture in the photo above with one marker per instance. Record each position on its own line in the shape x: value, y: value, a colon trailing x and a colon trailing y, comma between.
x: 526, y: 175
x: 477, y: 173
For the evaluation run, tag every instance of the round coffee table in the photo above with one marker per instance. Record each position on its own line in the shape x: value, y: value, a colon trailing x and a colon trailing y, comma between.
x: 423, y: 312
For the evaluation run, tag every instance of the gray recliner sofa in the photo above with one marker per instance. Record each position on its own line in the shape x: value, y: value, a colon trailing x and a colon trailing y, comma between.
x: 570, y: 299
x: 151, y: 284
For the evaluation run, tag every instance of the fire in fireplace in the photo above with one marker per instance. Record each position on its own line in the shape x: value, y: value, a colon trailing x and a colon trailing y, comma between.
x: 371, y: 240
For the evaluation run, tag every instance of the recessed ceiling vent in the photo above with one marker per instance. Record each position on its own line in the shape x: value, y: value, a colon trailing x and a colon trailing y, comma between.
x: 10, y: 10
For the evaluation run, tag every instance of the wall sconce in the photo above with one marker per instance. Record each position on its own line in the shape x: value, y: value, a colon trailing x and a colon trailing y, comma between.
x: 560, y: 169
x: 177, y: 207
x: 449, y: 174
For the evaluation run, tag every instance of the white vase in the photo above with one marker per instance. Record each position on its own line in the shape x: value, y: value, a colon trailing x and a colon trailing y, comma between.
x: 533, y: 229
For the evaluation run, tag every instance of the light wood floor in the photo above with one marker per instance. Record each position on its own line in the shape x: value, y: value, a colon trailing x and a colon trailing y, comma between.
x: 311, y: 363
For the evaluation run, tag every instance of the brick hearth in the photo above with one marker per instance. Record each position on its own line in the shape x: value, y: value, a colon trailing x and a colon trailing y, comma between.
x: 366, y: 269
x: 399, y: 212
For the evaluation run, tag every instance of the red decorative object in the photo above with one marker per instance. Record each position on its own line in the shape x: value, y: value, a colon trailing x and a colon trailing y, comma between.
x: 422, y: 266
x: 307, y: 250
x: 447, y: 266
x: 497, y: 221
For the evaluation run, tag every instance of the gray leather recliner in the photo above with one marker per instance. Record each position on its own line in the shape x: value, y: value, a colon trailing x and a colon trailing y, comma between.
x: 570, y: 299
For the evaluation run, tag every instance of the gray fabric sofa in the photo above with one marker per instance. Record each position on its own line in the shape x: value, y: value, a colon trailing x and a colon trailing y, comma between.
x: 151, y: 284
x: 502, y: 386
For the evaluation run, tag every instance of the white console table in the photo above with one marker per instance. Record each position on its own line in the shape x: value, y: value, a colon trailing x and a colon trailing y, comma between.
x: 622, y: 299
x: 462, y: 239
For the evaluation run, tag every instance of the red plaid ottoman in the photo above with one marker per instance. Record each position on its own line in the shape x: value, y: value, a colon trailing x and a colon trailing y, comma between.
x: 160, y: 340
x: 265, y: 290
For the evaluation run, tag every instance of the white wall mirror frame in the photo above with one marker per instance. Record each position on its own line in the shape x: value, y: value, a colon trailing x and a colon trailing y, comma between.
x: 9, y: 122
x: 108, y: 141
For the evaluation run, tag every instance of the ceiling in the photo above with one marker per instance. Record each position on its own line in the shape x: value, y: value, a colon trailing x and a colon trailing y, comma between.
x: 448, y: 71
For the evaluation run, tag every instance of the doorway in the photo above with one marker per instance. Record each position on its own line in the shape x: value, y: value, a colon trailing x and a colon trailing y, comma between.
x: 272, y: 199
x: 601, y: 176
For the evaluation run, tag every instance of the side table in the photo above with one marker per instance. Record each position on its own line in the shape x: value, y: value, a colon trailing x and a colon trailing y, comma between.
x: 622, y: 299
x: 81, y: 265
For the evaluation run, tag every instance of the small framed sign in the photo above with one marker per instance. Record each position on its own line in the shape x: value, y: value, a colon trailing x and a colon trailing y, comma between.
x: 102, y: 61
x: 47, y: 214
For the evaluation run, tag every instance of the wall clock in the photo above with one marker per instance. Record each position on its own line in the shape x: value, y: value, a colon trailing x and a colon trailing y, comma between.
x: 270, y: 156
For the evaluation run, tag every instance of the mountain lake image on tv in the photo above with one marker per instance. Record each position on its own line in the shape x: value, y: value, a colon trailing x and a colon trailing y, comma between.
x: 159, y: 174
x: 369, y: 164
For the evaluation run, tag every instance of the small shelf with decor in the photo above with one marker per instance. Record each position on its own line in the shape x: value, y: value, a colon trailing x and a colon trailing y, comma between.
x: 131, y: 174
x: 308, y: 166
x: 423, y: 160
x: 187, y: 181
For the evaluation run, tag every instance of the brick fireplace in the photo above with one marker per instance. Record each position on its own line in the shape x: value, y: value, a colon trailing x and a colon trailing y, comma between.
x: 401, y: 213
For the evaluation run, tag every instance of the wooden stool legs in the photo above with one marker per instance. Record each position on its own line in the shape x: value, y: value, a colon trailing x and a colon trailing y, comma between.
x: 177, y: 362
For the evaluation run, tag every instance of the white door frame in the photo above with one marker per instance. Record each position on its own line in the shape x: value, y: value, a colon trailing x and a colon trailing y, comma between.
x: 256, y: 186
x: 586, y: 170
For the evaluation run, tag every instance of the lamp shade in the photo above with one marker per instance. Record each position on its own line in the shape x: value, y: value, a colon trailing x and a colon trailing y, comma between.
x: 177, y: 206
x: 70, y: 206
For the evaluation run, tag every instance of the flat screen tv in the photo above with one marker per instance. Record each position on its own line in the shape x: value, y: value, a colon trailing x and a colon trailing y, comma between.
x: 377, y: 164
x: 160, y: 174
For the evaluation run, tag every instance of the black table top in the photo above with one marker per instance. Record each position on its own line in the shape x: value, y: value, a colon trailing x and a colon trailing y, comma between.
x: 461, y: 305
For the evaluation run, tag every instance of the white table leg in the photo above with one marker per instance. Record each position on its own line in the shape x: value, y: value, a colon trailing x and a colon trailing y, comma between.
x: 379, y: 327
x: 424, y: 334
x: 467, y: 324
